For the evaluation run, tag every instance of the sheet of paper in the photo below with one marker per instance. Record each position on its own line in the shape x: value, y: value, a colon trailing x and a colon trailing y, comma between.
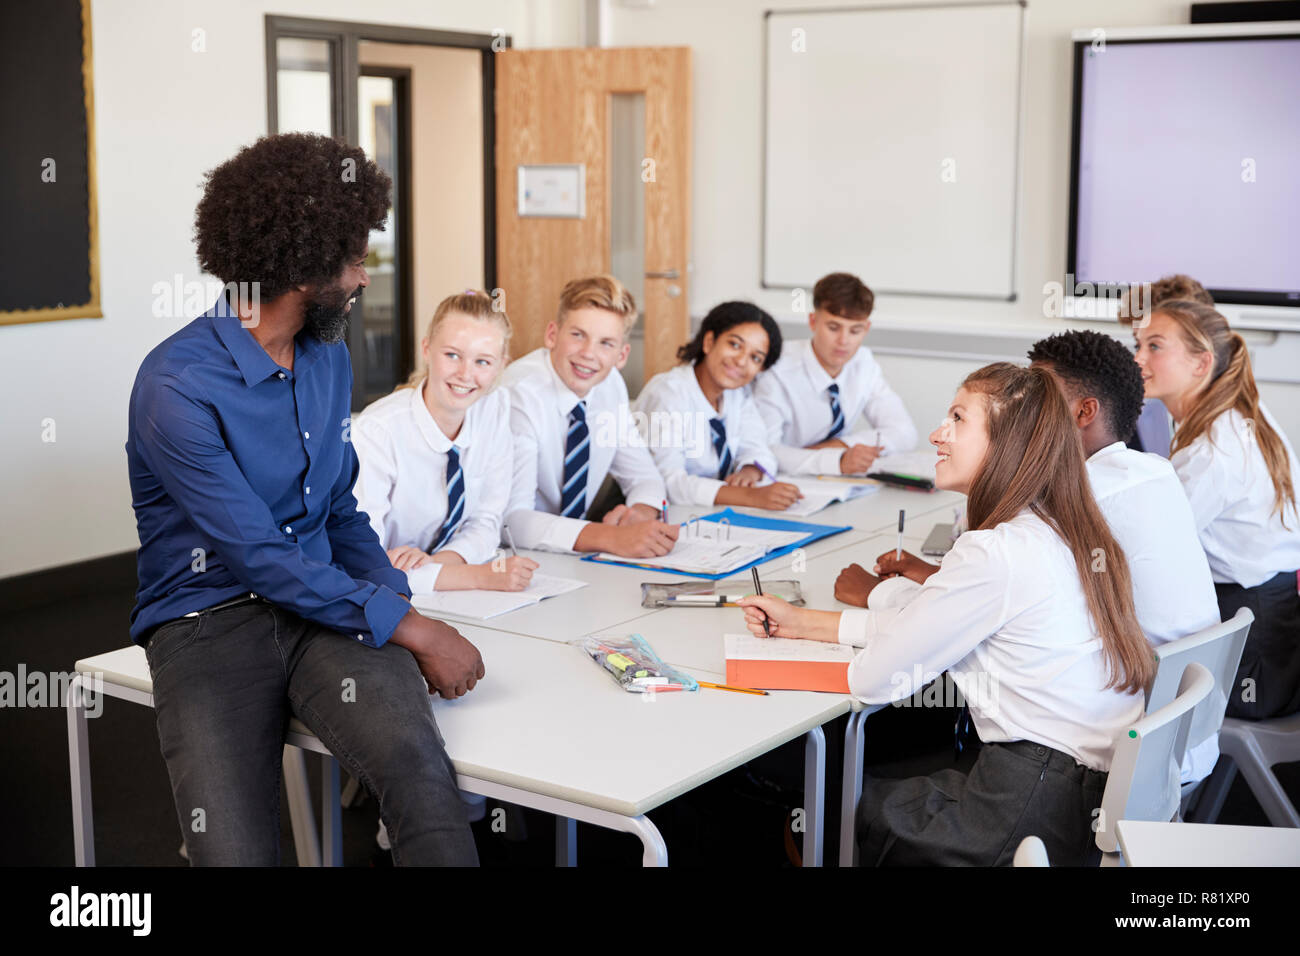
x: 818, y: 494
x: 747, y: 647
x: 709, y: 547
x: 482, y: 605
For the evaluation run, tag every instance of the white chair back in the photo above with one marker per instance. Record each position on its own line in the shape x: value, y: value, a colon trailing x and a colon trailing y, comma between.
x: 1218, y: 648
x: 1143, y: 780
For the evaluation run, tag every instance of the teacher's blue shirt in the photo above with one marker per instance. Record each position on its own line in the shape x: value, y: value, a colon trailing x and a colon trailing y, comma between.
x: 241, y: 480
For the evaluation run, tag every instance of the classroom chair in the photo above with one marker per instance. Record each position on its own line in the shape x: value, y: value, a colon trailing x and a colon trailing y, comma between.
x: 1219, y: 648
x: 1031, y: 852
x: 1143, y: 783
x: 1253, y: 747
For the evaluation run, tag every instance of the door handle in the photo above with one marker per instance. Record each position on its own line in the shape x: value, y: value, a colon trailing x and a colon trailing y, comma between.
x: 668, y: 274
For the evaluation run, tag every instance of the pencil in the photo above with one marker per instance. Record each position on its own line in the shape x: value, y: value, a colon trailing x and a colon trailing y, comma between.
x: 738, y: 690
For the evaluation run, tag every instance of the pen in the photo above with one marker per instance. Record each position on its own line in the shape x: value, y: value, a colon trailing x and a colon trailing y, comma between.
x: 738, y: 690
x: 767, y: 474
x: 758, y: 589
x: 663, y: 512
x: 898, y: 555
x: 510, y: 541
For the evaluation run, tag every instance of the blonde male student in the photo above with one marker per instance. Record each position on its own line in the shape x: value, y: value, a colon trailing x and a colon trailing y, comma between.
x: 1239, y: 472
x: 703, y: 427
x: 431, y: 455
x: 571, y: 427
x: 826, y: 404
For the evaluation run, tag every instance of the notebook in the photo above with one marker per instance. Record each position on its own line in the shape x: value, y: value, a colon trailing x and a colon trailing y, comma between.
x: 480, y: 605
x: 782, y: 663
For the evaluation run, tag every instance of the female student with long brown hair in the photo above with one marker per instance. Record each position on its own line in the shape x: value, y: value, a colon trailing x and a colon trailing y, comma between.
x: 1239, y: 472
x: 1031, y: 613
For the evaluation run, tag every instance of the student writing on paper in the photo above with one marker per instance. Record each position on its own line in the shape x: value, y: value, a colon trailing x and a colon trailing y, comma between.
x: 826, y: 405
x: 432, y: 455
x: 1239, y: 472
x: 1154, y: 432
x: 702, y: 425
x: 572, y: 426
x: 1047, y: 653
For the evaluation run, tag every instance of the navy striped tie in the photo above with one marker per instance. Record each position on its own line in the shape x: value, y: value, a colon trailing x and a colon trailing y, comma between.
x: 837, y: 413
x: 720, y: 447
x: 577, y: 449
x: 455, y: 499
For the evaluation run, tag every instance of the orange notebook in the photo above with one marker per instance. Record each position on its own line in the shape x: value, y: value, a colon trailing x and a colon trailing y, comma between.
x: 781, y: 663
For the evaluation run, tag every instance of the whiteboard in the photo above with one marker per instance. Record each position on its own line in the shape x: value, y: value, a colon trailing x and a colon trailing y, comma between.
x: 893, y: 147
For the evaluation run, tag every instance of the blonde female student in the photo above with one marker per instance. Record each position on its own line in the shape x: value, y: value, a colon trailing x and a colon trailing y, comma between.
x: 1239, y: 472
x: 1047, y: 652
x: 435, y: 456
x: 703, y: 428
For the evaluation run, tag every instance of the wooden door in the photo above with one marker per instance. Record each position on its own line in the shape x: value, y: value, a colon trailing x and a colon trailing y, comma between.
x: 552, y: 106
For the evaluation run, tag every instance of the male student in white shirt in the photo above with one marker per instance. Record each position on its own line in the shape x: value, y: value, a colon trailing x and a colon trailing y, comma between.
x: 826, y: 404
x: 572, y: 426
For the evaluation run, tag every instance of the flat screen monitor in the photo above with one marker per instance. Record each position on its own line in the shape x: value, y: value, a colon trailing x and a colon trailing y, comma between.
x: 1186, y: 158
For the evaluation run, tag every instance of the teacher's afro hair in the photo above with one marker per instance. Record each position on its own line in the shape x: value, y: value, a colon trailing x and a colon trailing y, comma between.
x: 289, y: 210
x: 1097, y: 366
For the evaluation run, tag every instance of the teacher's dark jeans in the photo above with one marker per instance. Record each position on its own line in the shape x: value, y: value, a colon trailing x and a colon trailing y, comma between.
x: 225, y: 684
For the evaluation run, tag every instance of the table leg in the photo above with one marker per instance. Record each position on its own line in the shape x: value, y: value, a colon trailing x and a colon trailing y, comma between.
x: 851, y: 791
x: 566, y: 841
x: 83, y: 816
x: 814, y: 795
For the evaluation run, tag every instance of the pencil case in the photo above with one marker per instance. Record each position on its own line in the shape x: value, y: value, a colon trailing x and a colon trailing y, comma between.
x: 715, y: 593
x: 632, y: 664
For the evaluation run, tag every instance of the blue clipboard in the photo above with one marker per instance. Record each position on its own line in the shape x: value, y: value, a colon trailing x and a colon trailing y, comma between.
x: 815, y: 532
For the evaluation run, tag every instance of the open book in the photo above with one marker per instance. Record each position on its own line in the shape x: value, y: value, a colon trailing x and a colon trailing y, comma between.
x: 480, y: 605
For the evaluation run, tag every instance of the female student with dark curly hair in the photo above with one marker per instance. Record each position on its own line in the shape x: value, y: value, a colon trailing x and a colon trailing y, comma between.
x: 703, y: 427
x: 1046, y: 651
x: 1239, y: 472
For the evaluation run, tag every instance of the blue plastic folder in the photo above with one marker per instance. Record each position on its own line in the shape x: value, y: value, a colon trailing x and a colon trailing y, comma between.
x: 814, y: 532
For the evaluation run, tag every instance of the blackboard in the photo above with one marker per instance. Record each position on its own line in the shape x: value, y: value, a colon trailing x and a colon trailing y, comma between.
x: 49, y: 255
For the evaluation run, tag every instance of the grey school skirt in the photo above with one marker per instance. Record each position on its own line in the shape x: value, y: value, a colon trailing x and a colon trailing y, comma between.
x: 1270, y: 661
x: 978, y: 818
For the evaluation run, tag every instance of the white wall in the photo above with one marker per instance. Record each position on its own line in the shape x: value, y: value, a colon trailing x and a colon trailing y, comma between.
x: 727, y: 128
x: 164, y: 114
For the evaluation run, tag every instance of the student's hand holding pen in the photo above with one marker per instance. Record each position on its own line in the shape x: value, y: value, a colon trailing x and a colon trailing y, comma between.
x: 644, y: 539
x: 890, y: 564
x: 786, y: 620
x: 858, y: 459
x: 775, y: 497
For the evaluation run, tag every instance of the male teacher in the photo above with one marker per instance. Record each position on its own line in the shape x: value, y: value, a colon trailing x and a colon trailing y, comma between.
x: 264, y: 593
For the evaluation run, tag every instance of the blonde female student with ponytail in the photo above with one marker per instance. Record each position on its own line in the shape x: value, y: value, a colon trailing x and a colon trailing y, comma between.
x: 1239, y: 472
x: 435, y: 456
x: 1031, y: 613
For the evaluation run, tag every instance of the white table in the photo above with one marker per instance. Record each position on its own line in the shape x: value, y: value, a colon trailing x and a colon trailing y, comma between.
x: 547, y: 729
x: 1206, y: 844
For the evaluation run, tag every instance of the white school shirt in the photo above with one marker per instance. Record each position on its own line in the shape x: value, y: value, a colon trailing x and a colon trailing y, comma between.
x: 1006, y: 616
x: 402, y: 481
x: 1143, y: 503
x: 539, y: 420
x: 795, y: 404
x: 1231, y: 493
x: 676, y: 427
